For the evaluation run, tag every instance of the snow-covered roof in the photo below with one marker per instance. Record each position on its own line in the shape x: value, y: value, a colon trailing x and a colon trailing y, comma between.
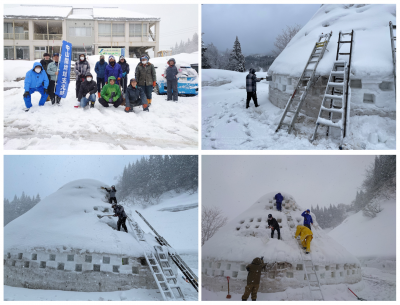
x: 117, y: 13
x: 248, y: 236
x: 37, y: 11
x: 67, y: 220
x: 371, y: 54
x: 78, y: 16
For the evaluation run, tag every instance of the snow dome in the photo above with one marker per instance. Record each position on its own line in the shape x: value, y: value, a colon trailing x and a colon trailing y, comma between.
x: 62, y: 244
x: 247, y: 236
x: 371, y: 87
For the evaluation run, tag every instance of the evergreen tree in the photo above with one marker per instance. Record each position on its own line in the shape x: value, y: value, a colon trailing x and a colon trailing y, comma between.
x: 204, y: 61
x: 236, y: 59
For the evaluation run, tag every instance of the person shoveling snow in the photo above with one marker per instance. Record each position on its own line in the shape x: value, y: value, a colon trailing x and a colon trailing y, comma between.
x: 120, y: 213
x: 251, y: 87
x: 253, y: 278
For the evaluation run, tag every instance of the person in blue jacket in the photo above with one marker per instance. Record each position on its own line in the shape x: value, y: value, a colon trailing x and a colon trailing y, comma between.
x: 279, y: 199
x: 113, y: 69
x: 307, y: 219
x: 100, y: 69
x: 36, y: 80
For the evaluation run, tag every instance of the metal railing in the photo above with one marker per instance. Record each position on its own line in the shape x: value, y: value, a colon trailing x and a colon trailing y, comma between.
x: 16, y: 36
x: 37, y: 36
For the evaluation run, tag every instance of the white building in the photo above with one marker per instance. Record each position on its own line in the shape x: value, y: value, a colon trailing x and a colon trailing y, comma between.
x: 31, y: 30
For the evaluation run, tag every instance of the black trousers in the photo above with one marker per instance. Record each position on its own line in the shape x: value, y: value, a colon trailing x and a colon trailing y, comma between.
x: 50, y: 89
x: 251, y: 95
x: 115, y: 104
x: 124, y: 83
x: 273, y: 231
x: 308, y: 226
x: 121, y: 221
x: 112, y: 199
x: 78, y: 86
x: 100, y: 83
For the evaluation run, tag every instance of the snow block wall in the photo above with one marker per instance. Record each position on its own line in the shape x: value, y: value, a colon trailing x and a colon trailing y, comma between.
x: 371, y: 88
x: 232, y: 248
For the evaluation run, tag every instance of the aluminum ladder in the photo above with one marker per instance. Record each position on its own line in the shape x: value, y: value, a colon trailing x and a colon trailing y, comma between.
x: 296, y: 101
x: 336, y: 93
x: 392, y: 40
x: 185, y: 269
x: 161, y: 279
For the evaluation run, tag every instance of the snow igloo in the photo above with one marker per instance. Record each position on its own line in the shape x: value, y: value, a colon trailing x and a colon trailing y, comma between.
x: 247, y: 236
x: 371, y: 85
x: 62, y: 244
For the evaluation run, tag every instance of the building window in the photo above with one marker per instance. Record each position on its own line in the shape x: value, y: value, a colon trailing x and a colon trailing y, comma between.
x: 9, y: 53
x: 77, y: 51
x: 22, y: 52
x: 137, y: 29
x: 39, y: 51
x: 80, y: 32
x: 19, y: 32
x: 105, y: 29
x: 118, y: 30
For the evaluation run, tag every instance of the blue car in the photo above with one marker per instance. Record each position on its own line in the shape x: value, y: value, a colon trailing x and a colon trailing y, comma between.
x: 188, y: 83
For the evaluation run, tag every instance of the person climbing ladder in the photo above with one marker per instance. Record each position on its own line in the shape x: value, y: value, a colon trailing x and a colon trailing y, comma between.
x: 306, y: 237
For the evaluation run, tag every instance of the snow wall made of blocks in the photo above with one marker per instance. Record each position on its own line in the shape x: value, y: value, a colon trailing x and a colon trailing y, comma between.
x: 366, y: 96
x: 88, y: 272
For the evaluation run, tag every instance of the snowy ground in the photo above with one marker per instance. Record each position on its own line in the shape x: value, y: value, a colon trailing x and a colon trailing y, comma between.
x: 168, y: 125
x: 227, y: 124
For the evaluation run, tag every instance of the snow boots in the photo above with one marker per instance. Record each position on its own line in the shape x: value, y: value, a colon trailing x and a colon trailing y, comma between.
x: 148, y: 102
x: 98, y: 94
x: 91, y: 104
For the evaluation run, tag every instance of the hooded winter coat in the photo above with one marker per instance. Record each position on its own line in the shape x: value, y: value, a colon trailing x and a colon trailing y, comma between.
x: 171, y: 72
x: 45, y: 63
x: 133, y: 94
x: 87, y: 87
x: 273, y: 223
x: 108, y: 89
x: 35, y: 80
x: 81, y: 68
x: 115, y: 71
x: 254, y: 276
x: 145, y: 74
x: 307, y: 218
x: 112, y: 192
x: 251, y: 82
x: 124, y: 66
x: 119, y: 211
x: 303, y: 232
x: 100, y: 69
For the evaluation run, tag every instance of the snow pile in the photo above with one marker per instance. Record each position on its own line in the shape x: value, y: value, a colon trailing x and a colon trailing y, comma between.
x: 371, y: 54
x: 67, y: 220
x: 370, y: 238
x: 114, y: 12
x: 33, y: 11
x: 247, y: 236
x: 227, y: 124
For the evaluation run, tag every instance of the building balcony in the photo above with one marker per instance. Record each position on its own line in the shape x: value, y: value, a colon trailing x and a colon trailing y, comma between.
x: 40, y: 36
x: 17, y: 36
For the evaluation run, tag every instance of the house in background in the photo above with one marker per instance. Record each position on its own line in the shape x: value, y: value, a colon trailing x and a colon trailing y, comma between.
x: 32, y: 30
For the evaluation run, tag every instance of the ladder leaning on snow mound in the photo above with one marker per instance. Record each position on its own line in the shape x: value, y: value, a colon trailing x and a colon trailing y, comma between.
x: 296, y: 101
x: 393, y: 44
x: 309, y: 268
x: 336, y: 93
x: 161, y: 270
x: 185, y: 269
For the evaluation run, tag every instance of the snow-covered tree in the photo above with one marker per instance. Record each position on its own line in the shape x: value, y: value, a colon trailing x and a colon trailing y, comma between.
x: 212, y: 56
x: 236, y: 58
x: 204, y: 60
x: 18, y: 206
x: 211, y: 221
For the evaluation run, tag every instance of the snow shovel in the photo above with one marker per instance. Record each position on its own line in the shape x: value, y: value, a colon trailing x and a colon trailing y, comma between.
x: 360, y: 299
x: 228, y: 296
x: 101, y: 216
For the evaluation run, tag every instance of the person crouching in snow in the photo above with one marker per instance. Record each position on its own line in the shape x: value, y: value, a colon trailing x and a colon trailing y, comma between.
x: 87, y: 91
x: 307, y: 219
x: 170, y: 74
x: 35, y: 80
x: 52, y: 71
x: 111, y: 94
x: 273, y: 225
x: 251, y: 87
x: 306, y: 237
x: 112, y: 191
x: 120, y: 213
x: 145, y: 75
x: 253, y: 278
x: 279, y: 199
x: 134, y: 96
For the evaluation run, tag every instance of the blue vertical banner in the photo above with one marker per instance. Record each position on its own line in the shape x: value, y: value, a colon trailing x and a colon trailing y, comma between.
x: 64, y: 70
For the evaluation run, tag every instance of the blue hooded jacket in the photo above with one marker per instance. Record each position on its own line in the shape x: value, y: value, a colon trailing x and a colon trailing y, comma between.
x: 307, y: 218
x: 115, y: 71
x: 279, y: 199
x: 100, y: 69
x: 36, y: 80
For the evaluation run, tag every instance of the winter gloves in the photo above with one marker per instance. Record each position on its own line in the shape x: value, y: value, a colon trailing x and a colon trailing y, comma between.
x: 26, y: 94
x: 124, y: 74
x: 45, y: 91
x: 154, y: 84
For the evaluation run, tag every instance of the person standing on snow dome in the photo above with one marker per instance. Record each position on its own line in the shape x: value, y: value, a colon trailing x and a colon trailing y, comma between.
x: 145, y: 75
x: 112, y: 192
x: 82, y: 66
x: 307, y: 219
x: 251, y: 87
x: 279, y: 199
x: 125, y: 71
x: 170, y: 74
x: 113, y: 69
x: 306, y: 237
x: 52, y: 71
x: 253, y: 278
x: 273, y: 225
x: 120, y: 212
x: 35, y: 80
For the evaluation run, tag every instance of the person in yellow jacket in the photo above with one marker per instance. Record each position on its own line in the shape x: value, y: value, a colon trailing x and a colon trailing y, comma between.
x: 306, y: 237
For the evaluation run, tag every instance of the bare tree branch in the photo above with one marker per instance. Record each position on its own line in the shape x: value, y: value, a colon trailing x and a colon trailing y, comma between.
x: 211, y: 221
x: 282, y: 40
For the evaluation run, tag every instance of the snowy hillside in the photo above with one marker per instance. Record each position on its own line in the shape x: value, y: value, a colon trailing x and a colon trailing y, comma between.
x: 168, y: 125
x: 227, y: 124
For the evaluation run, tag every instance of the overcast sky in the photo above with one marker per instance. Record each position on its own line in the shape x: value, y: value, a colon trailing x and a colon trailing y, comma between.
x: 256, y: 25
x: 46, y: 174
x: 178, y: 22
x: 234, y: 183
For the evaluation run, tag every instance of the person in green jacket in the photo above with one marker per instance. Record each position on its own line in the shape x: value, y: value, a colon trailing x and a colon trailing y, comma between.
x: 111, y: 94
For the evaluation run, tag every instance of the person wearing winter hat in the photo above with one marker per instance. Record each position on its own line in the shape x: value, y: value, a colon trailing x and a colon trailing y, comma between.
x: 251, y: 87
x: 111, y: 94
x: 135, y: 96
x: 45, y: 62
x: 82, y: 66
x: 36, y: 80
x: 113, y: 69
x: 52, y: 71
x: 146, y: 77
x: 125, y: 71
x: 100, y: 69
x: 307, y: 219
x: 87, y: 91
x: 170, y: 73
x: 253, y: 278
x: 273, y: 225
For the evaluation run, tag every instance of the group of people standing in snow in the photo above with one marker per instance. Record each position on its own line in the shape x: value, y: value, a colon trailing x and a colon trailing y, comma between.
x: 111, y: 77
x: 257, y: 265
